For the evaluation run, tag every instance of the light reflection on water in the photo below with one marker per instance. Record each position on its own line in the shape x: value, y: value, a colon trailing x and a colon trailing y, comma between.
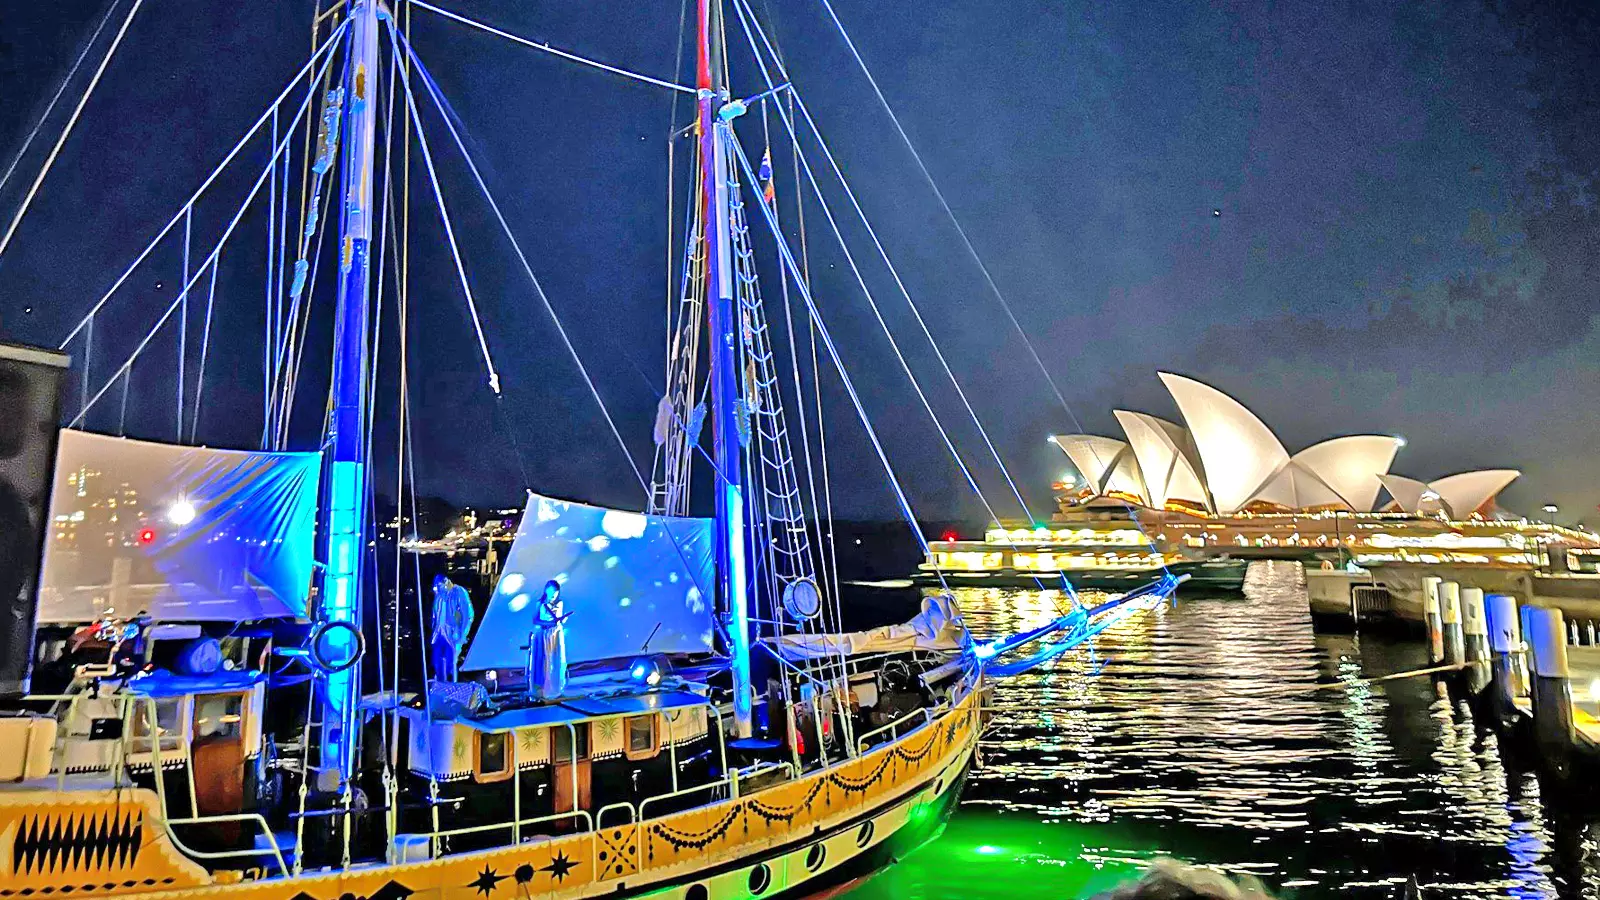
x: 1208, y: 731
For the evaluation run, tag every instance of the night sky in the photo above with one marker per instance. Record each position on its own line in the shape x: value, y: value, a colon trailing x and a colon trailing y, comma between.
x: 1407, y: 243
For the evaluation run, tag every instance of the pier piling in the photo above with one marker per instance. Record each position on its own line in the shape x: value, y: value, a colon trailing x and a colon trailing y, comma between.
x: 1546, y: 635
x: 1505, y: 648
x: 1431, y: 615
x: 1475, y: 638
x: 1450, y: 611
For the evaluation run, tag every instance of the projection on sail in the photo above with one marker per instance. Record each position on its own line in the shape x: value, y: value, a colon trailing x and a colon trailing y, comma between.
x: 182, y: 533
x: 622, y: 574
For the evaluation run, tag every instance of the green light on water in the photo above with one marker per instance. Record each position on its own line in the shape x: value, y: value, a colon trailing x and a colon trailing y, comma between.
x: 981, y: 855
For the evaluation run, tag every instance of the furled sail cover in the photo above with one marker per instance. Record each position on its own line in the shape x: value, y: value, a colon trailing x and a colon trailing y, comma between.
x: 1106, y: 464
x: 1238, y: 452
x: 1166, y: 457
x: 622, y: 574
x: 183, y: 533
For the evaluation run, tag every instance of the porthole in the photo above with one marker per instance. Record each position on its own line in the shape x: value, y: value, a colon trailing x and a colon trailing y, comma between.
x: 697, y: 892
x: 760, y: 880
x: 864, y: 834
x: 815, y: 857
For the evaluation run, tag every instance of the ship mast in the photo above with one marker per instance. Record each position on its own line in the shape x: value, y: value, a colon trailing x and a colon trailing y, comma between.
x: 715, y: 224
x: 344, y: 497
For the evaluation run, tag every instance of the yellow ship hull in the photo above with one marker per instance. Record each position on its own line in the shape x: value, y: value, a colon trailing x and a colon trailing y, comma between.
x: 70, y: 844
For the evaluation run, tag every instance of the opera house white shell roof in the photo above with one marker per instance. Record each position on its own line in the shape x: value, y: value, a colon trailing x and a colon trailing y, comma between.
x: 1224, y: 459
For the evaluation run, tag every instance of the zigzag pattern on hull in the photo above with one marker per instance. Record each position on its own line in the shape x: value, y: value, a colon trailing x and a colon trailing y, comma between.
x: 78, y: 841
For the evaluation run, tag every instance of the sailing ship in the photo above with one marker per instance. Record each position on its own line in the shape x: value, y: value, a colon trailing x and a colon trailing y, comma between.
x: 219, y: 704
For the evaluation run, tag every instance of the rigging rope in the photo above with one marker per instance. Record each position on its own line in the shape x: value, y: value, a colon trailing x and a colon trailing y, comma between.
x: 447, y: 117
x: 883, y: 253
x: 83, y: 101
x: 833, y: 351
x: 877, y: 313
x: 205, y: 349
x: 545, y: 47
x: 743, y: 8
x: 54, y: 99
x: 272, y: 107
x: 522, y: 258
x: 449, y: 231
x: 210, y: 260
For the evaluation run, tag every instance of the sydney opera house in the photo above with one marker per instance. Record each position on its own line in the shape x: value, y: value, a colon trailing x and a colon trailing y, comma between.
x: 1223, y: 461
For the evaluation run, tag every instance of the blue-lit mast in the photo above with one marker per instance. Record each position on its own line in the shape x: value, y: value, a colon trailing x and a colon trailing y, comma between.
x: 715, y: 222
x: 344, y: 499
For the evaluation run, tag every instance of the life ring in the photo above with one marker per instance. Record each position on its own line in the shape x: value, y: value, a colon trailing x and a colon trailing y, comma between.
x: 322, y: 649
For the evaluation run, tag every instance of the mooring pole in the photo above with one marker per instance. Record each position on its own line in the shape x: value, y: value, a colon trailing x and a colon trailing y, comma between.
x: 1546, y: 634
x: 1450, y: 611
x: 1475, y: 638
x: 1505, y: 647
x: 1431, y: 617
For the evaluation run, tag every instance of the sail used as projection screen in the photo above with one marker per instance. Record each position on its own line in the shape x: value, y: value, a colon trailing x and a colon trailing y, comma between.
x: 181, y: 533
x: 623, y: 576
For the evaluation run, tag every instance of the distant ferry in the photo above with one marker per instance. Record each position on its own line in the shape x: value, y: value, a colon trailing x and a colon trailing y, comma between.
x: 1089, y: 558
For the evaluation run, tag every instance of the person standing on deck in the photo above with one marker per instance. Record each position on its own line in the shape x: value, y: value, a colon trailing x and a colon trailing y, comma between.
x: 547, y: 646
x: 452, y: 620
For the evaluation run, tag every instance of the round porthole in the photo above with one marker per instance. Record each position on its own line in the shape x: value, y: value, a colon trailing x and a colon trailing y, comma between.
x: 760, y: 880
x: 696, y: 892
x: 815, y: 857
x: 864, y: 834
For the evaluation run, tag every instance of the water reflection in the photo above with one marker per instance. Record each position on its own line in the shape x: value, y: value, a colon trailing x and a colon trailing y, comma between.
x: 1226, y: 732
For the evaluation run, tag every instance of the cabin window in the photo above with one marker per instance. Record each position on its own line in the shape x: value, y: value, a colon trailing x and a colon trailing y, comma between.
x: 219, y: 716
x: 642, y: 737
x: 494, y: 756
x: 167, y: 724
x: 561, y: 738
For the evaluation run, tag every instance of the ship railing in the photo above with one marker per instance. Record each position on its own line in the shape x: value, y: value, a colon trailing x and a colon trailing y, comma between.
x: 729, y: 781
x: 167, y: 822
x: 271, y: 849
x: 516, y: 826
x: 892, y: 729
x: 64, y: 738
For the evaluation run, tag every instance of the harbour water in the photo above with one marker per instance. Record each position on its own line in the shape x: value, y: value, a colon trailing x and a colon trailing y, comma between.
x: 1225, y: 732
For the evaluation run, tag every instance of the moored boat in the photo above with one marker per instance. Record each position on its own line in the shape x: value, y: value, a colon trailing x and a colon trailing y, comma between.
x: 234, y: 693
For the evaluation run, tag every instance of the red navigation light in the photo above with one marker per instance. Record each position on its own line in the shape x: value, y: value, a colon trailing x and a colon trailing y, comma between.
x: 951, y: 536
x: 147, y: 535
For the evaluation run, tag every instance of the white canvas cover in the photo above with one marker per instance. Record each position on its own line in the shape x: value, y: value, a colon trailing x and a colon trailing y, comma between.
x: 625, y: 578
x: 937, y: 627
x: 182, y: 533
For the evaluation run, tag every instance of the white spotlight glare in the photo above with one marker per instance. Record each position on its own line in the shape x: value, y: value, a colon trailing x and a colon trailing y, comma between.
x: 181, y: 512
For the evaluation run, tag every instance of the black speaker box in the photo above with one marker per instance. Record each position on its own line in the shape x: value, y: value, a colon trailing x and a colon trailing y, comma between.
x: 30, y: 417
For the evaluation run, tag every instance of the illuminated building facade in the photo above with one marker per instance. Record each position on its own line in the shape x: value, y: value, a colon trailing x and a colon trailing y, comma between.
x: 1222, y: 484
x: 1224, y: 461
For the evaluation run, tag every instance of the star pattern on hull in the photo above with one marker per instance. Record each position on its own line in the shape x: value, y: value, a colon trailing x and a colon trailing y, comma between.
x: 487, y: 881
x: 559, y: 866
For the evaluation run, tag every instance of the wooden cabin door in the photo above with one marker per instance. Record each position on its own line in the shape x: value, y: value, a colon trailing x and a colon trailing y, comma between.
x: 565, y: 787
x: 218, y: 753
x: 571, y: 767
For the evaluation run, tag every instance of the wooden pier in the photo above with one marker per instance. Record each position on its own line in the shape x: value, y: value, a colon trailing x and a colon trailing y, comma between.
x: 1532, y: 667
